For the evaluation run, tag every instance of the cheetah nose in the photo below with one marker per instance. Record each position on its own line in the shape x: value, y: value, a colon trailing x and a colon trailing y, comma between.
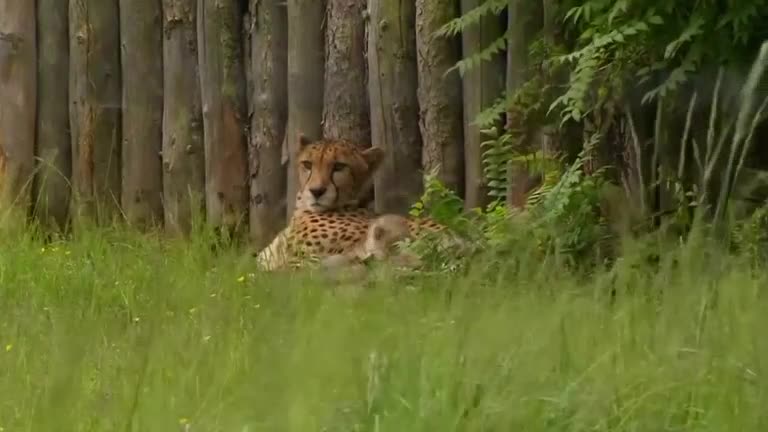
x: 317, y: 192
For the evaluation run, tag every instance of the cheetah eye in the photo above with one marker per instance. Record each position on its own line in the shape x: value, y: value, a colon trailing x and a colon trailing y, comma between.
x: 338, y: 166
x: 307, y: 165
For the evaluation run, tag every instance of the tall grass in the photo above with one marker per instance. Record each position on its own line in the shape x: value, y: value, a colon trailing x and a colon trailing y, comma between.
x: 718, y: 161
x: 120, y: 331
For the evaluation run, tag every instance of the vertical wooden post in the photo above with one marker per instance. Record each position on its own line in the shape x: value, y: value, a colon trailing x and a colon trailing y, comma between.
x: 392, y: 87
x: 269, y: 112
x: 222, y: 86
x: 54, y: 166
x: 142, y: 71
x: 440, y: 98
x: 95, y: 110
x: 18, y: 101
x: 183, y: 151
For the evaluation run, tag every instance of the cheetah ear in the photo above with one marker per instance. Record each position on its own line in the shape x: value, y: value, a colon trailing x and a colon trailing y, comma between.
x: 303, y: 140
x: 373, y: 157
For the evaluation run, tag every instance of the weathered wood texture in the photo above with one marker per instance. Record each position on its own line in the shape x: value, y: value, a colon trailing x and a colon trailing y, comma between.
x: 96, y: 99
x: 268, y: 116
x: 394, y: 104
x: 54, y: 166
x: 524, y: 21
x: 18, y: 100
x: 142, y: 71
x: 222, y: 84
x: 306, y: 66
x: 183, y: 153
x: 440, y: 93
x: 346, y: 107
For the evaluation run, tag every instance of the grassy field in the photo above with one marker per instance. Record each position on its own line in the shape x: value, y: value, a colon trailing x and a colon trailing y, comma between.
x: 124, y: 332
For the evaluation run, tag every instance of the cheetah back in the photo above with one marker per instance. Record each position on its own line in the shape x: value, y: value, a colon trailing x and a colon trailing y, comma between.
x: 423, y: 225
x: 341, y: 232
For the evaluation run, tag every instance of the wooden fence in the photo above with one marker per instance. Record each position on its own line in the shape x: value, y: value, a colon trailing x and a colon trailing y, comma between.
x: 152, y: 110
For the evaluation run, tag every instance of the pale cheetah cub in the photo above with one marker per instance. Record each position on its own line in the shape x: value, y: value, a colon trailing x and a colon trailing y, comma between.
x: 379, y: 243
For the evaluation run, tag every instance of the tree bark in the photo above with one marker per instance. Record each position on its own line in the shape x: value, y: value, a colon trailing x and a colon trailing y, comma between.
x: 142, y: 71
x: 269, y: 112
x: 524, y: 21
x: 482, y: 84
x: 222, y: 84
x: 346, y: 107
x: 95, y: 94
x: 550, y: 23
x: 440, y: 94
x: 18, y: 101
x: 393, y: 86
x: 183, y: 151
x: 306, y: 66
x: 52, y: 181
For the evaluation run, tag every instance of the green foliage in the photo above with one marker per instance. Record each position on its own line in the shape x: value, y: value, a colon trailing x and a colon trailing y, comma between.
x: 500, y: 151
x: 562, y: 219
x: 611, y: 51
x: 526, y: 109
x: 566, y: 216
x: 601, y: 52
x: 444, y: 206
x: 750, y: 236
x: 441, y: 204
x: 630, y: 40
x: 472, y: 17
x: 486, y: 54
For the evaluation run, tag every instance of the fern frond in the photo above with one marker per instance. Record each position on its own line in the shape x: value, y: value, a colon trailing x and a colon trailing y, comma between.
x: 490, y: 115
x: 677, y: 77
x: 471, y: 17
x: 694, y: 28
x: 486, y: 54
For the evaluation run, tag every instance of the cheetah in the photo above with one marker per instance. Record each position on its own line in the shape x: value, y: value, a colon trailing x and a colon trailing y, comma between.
x: 382, y: 237
x: 328, y: 218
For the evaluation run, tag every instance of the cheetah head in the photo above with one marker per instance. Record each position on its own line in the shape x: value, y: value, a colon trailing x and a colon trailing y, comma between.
x: 333, y: 173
